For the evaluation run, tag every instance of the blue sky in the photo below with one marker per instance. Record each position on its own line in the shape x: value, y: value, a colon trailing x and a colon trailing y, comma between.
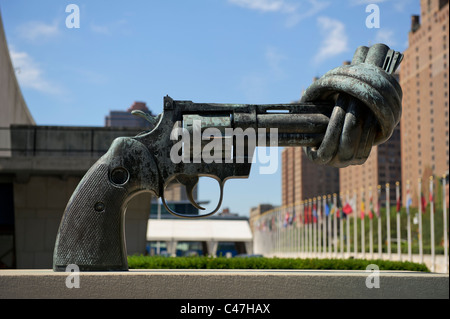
x: 224, y: 51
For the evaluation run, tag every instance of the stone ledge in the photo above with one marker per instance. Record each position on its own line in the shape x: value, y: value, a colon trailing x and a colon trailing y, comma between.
x: 222, y: 284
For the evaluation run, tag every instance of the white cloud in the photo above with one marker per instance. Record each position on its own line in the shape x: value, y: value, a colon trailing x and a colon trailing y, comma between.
x: 30, y: 75
x: 100, y: 29
x: 294, y: 12
x: 335, y: 40
x: 385, y: 36
x: 314, y: 8
x: 398, y: 5
x: 38, y: 30
x: 265, y: 5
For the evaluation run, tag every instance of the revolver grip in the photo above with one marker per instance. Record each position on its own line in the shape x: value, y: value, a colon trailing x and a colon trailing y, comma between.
x: 91, y: 234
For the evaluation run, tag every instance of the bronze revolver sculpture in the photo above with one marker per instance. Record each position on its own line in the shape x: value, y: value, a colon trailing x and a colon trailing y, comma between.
x: 337, y: 121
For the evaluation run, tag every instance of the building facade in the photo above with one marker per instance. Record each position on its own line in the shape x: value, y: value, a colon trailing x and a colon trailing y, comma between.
x: 126, y: 119
x: 383, y: 166
x: 424, y: 80
x: 302, y: 179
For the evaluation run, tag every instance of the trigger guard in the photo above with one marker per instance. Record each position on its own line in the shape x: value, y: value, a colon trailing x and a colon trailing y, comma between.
x: 195, y: 216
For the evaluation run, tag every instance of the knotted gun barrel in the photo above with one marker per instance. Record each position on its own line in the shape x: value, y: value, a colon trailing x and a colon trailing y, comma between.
x: 367, y: 108
x: 338, y: 120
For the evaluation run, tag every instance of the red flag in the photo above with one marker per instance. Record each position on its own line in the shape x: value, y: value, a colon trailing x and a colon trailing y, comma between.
x: 424, y: 203
x: 347, y: 209
x: 305, y: 211
x: 397, y: 191
x: 310, y: 217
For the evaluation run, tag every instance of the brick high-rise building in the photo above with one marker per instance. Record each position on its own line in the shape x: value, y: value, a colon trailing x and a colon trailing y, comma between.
x: 383, y: 166
x: 302, y: 179
x: 424, y: 80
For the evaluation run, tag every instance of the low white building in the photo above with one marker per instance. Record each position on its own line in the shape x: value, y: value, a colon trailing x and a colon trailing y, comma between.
x: 209, y: 231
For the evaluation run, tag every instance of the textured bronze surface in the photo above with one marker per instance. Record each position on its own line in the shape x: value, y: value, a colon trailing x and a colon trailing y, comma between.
x: 338, y: 120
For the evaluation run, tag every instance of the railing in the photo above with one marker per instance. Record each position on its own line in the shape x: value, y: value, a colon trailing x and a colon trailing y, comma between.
x: 344, y: 226
x: 27, y: 140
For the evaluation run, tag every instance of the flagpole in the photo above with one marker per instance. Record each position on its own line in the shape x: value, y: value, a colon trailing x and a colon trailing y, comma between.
x: 444, y: 211
x: 335, y: 236
x: 297, y: 229
x: 408, y: 203
x: 341, y: 223
x: 302, y: 224
x: 330, y: 251
x: 324, y: 203
x: 314, y: 232
x: 399, y: 244
x: 388, y: 221
x: 380, y: 242
x: 433, y: 255
x: 363, y: 231
x: 347, y: 222
x: 319, y: 225
x: 310, y: 227
x: 370, y: 222
x: 306, y: 226
x: 420, y: 222
x: 355, y: 224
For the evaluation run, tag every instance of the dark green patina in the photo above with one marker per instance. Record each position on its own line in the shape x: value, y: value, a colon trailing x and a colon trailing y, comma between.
x: 338, y: 120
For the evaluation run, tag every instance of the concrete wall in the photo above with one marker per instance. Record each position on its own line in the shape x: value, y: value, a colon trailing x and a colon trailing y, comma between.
x: 12, y: 104
x: 39, y: 205
x: 45, y: 167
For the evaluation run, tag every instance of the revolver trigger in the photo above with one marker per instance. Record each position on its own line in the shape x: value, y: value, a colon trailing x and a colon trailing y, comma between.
x: 190, y: 182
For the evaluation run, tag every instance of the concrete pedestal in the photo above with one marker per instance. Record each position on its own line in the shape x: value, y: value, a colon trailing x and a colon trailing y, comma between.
x: 223, y: 284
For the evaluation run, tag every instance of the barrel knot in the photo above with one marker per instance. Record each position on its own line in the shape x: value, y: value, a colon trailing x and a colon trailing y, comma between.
x: 368, y: 103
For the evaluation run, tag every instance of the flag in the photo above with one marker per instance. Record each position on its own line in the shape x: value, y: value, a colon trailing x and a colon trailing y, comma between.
x: 340, y: 214
x: 305, y: 211
x: 310, y: 216
x: 347, y: 209
x: 327, y: 209
x: 362, y: 209
x: 293, y: 220
x: 431, y: 190
x: 408, y: 199
x: 423, y: 202
x: 332, y: 209
x: 286, y: 220
x: 314, y: 213
x: 397, y: 192
x: 371, y: 207
x: 377, y: 212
